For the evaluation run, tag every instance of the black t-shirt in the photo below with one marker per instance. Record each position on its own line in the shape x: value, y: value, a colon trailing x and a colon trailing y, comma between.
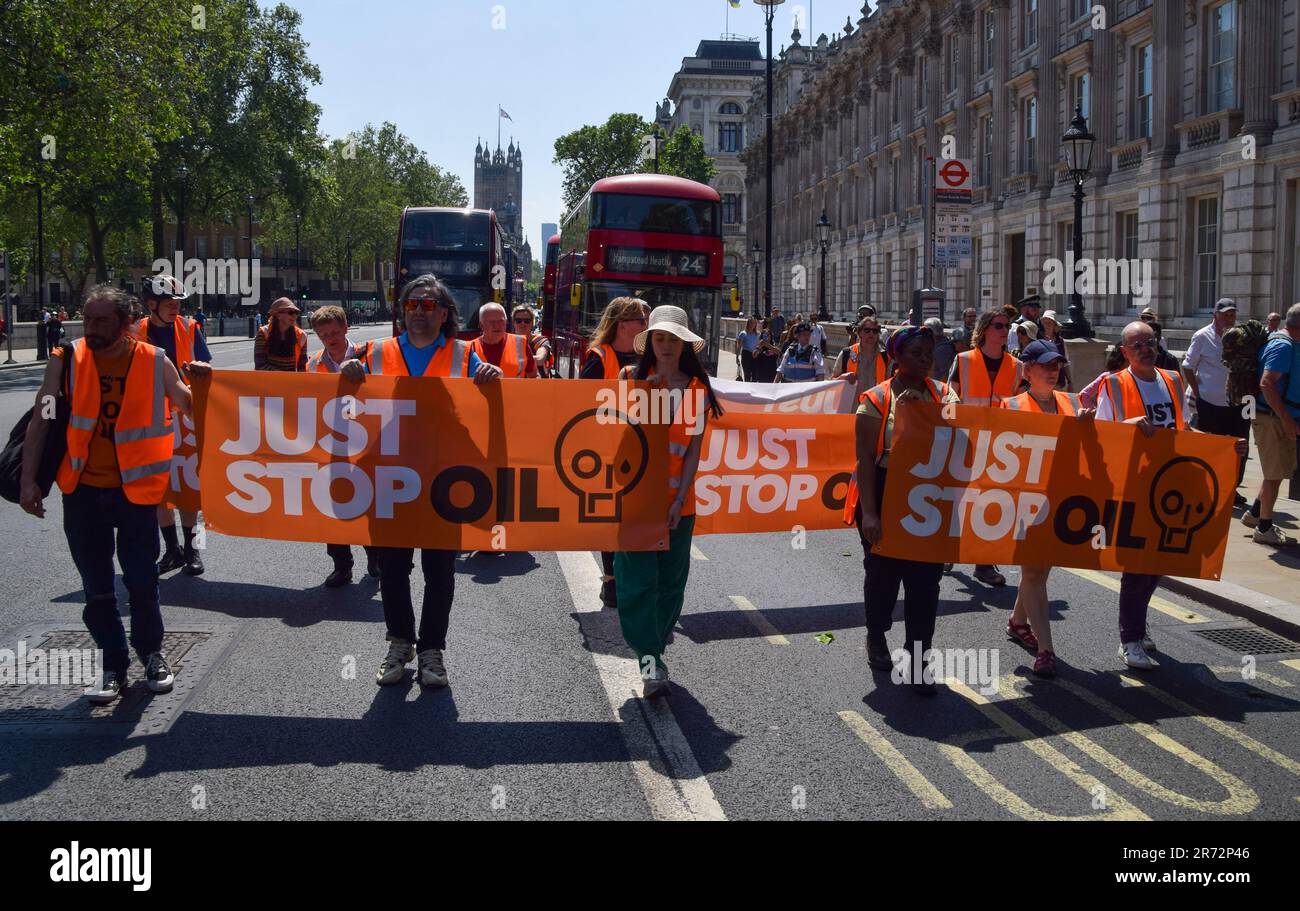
x: 593, y: 368
x: 992, y: 365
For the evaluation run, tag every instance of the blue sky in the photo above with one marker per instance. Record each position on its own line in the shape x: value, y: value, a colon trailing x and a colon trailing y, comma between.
x: 438, y: 69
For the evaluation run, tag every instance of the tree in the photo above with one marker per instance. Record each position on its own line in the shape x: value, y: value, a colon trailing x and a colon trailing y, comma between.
x: 592, y: 153
x: 684, y: 155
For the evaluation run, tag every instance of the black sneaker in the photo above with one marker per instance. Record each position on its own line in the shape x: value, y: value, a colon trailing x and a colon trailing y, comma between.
x: 157, y: 674
x: 172, y: 559
x: 609, y: 595
x: 107, y: 689
x: 878, y: 654
x: 341, y: 576
x: 372, y: 567
x: 193, y: 562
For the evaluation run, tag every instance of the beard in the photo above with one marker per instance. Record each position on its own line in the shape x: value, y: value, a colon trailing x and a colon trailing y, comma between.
x: 99, y: 342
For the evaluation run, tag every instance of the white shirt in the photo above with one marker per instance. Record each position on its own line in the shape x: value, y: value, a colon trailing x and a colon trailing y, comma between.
x: 1155, y: 396
x: 1205, y: 359
x: 329, y: 361
x: 818, y: 333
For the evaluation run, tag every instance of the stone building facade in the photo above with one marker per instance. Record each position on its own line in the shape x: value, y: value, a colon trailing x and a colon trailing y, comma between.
x: 1195, y: 105
x: 711, y: 95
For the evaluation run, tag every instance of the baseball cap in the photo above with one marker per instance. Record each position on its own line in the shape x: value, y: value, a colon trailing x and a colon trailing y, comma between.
x: 1224, y: 303
x: 1041, y: 352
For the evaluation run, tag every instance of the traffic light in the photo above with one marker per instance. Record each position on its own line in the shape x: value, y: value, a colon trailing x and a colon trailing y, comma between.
x: 735, y: 300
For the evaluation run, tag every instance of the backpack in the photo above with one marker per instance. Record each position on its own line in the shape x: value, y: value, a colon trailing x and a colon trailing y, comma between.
x: 1241, y: 346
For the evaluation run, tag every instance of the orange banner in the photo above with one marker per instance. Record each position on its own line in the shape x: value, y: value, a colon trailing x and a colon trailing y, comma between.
x: 183, y: 492
x: 985, y: 485
x: 404, y: 462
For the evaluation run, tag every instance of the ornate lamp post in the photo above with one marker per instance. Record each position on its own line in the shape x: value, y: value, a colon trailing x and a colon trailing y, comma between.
x: 1078, y: 144
x: 824, y: 242
x: 757, y: 259
x: 769, y: 12
x: 297, y: 252
x: 181, y: 227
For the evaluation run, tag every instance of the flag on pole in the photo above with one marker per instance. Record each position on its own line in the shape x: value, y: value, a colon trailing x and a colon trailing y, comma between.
x: 735, y: 4
x: 502, y: 113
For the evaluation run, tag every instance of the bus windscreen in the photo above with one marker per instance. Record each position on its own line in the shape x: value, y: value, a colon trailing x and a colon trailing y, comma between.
x: 659, y: 214
x: 446, y: 231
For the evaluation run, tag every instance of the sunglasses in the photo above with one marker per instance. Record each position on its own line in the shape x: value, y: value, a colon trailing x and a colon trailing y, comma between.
x: 520, y: 320
x: 428, y: 304
x: 868, y: 331
x: 1001, y: 327
x: 1142, y: 344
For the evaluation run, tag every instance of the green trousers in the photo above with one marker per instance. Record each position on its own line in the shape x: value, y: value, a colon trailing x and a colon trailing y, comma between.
x: 651, y: 588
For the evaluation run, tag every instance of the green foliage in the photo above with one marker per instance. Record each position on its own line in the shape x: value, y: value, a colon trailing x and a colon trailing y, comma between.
x: 591, y: 153
x: 684, y: 154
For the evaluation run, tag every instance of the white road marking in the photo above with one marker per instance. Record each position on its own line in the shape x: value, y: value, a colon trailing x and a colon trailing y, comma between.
x: 770, y: 632
x: 696, y: 553
x: 678, y: 790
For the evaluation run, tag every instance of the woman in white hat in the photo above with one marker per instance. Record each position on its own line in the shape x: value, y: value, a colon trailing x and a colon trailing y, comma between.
x: 651, y: 585
x: 1051, y: 332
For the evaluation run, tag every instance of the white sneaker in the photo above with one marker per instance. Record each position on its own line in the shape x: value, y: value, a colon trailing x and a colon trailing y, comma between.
x: 1149, y: 644
x: 1135, y: 656
x: 1273, y: 536
x: 393, y: 668
x: 432, y: 670
x: 107, y: 689
x: 1250, y: 521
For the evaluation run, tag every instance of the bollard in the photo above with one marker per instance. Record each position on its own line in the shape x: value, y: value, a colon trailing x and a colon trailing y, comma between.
x: 252, y: 327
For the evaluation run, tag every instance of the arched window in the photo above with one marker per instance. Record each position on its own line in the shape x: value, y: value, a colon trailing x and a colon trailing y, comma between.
x: 730, y: 108
x: 731, y: 134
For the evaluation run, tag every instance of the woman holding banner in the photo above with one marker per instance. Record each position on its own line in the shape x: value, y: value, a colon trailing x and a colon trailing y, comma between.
x: 652, y: 584
x: 911, y: 349
x: 609, y: 351
x: 1029, y: 624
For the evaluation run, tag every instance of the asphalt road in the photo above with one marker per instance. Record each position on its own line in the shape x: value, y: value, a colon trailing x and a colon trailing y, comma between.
x: 542, y: 719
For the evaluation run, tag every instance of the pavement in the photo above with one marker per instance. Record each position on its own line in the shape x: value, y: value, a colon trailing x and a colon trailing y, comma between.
x: 774, y: 714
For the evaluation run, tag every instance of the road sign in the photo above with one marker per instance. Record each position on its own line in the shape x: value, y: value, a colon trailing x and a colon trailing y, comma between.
x: 953, y: 181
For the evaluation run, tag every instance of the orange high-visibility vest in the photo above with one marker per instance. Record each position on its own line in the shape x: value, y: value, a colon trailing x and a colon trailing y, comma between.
x: 609, y: 357
x: 185, y: 331
x: 1067, y: 403
x: 881, y: 396
x: 879, y: 372
x: 386, y: 359
x: 143, y: 434
x: 317, y: 361
x: 514, y: 362
x: 1126, y: 399
x: 679, y: 441
x: 976, y: 388
x: 299, y: 341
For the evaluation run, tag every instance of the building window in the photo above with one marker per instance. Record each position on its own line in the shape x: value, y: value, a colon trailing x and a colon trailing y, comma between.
x: 201, y: 247
x: 1064, y: 241
x: 1128, y: 245
x: 986, y: 151
x: 730, y: 208
x: 1223, y: 56
x: 923, y: 66
x: 1207, y: 252
x: 898, y: 91
x: 988, y: 40
x: 1143, y: 102
x: 1028, y: 162
x: 893, y: 183
x: 1079, y: 9
x: 227, y: 246
x: 1029, y: 23
x: 918, y: 191
x: 729, y: 137
x: 1081, y: 94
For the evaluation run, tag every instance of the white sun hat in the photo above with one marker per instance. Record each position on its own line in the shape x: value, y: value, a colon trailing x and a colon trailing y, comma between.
x: 667, y: 318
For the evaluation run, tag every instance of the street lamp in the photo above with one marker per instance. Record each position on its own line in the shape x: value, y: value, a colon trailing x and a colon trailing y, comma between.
x: 297, y: 243
x: 184, y: 174
x: 823, y: 241
x: 758, y: 254
x: 769, y: 12
x: 1078, y: 144
x: 249, y: 199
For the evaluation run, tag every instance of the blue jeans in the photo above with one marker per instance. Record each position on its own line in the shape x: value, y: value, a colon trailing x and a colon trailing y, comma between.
x: 90, y: 516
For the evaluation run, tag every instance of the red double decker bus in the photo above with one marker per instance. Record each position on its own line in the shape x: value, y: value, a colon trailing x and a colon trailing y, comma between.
x: 650, y: 236
x: 463, y: 247
x: 552, y: 260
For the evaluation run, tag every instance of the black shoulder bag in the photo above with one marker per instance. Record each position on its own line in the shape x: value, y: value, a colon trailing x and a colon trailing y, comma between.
x: 56, y: 442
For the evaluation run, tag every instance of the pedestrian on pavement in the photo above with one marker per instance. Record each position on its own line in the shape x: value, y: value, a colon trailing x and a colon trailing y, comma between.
x: 746, y: 346
x: 201, y: 318
x: 1030, y: 307
x: 984, y: 376
x: 818, y: 334
x: 427, y: 348
x: 113, y: 477
x: 767, y: 356
x: 1207, y: 375
x: 500, y: 348
x: 802, y: 362
x: 1148, y: 315
x: 280, y: 344
x: 610, y: 349
x: 1274, y: 322
x: 1029, y: 622
x: 524, y: 321
x: 778, y: 323
x: 53, y: 332
x: 911, y: 349
x: 1025, y: 333
x: 1164, y: 360
x: 1151, y: 398
x: 945, y: 352
x: 182, y: 340
x: 330, y: 324
x: 963, y: 334
x: 1049, y: 330
x: 867, y: 370
x: 652, y: 584
x: 1276, y: 424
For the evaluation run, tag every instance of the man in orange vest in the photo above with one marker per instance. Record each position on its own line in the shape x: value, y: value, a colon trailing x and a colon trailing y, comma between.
x: 497, y: 347
x: 331, y: 327
x: 428, y: 348
x: 1152, y: 399
x: 182, y: 340
x: 113, y: 476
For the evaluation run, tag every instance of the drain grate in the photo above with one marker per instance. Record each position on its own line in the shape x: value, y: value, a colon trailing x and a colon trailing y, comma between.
x: 1249, y: 640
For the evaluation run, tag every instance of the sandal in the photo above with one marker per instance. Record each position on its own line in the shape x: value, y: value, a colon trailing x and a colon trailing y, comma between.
x: 1045, y: 664
x: 1020, y: 632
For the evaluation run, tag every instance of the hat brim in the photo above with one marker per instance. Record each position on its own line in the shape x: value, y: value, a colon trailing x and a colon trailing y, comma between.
x: 686, y: 335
